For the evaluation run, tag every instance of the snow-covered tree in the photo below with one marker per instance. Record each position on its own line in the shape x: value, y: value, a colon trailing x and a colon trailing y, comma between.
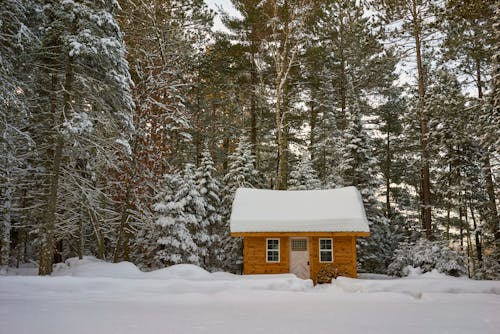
x: 209, y: 235
x: 17, y: 42
x: 84, y: 104
x: 359, y: 165
x: 427, y: 256
x: 241, y: 173
x: 359, y: 169
x: 304, y: 176
x: 179, y: 213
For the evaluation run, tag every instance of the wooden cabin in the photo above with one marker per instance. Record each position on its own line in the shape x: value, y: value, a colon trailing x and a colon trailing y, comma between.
x: 299, y: 232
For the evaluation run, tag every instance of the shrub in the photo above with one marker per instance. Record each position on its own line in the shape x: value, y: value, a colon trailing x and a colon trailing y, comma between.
x: 427, y: 255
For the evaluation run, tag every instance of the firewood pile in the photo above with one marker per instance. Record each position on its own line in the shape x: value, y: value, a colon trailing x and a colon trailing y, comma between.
x: 327, y: 273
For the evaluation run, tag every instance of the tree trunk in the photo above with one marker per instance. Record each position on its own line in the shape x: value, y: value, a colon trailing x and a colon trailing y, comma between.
x: 312, y: 123
x: 342, y: 125
x: 6, y: 226
x: 7, y: 209
x: 284, y: 141
x: 448, y: 205
x: 225, y: 149
x: 426, y: 184
x: 469, y: 242
x: 121, y: 239
x: 388, y: 175
x: 490, y: 188
x: 253, y: 105
x: 488, y: 175
x: 477, y: 235
x: 47, y: 230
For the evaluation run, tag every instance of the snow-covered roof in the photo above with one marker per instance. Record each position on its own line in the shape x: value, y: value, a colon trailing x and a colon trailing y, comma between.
x: 333, y: 210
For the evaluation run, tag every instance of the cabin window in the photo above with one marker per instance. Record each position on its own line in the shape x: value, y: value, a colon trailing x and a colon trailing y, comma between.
x: 273, y: 250
x: 325, y: 250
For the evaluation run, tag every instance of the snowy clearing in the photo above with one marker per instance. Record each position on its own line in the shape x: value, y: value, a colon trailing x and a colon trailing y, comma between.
x: 91, y: 296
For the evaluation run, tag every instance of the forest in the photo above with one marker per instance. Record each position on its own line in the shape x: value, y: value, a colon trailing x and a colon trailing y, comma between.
x: 127, y: 126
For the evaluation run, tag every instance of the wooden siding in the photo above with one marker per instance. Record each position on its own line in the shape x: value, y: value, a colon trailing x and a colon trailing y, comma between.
x: 344, y: 256
x: 254, y: 255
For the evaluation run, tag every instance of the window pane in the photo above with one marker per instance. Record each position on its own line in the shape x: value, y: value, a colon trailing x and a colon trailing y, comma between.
x: 272, y: 256
x: 326, y: 256
x: 325, y: 244
x: 299, y: 245
x: 272, y: 244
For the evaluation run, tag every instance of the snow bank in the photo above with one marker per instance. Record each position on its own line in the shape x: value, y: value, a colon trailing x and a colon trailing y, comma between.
x: 185, y: 299
x: 181, y: 278
x: 417, y: 285
x: 25, y: 269
x: 89, y: 266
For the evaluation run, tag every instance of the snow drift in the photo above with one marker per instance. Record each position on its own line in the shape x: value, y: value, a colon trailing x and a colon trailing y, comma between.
x: 180, y: 277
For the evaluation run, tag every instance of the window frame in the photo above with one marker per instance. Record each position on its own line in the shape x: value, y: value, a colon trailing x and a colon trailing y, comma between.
x: 273, y: 250
x: 325, y: 250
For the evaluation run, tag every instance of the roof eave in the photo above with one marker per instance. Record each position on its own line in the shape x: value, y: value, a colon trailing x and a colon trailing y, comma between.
x: 302, y: 234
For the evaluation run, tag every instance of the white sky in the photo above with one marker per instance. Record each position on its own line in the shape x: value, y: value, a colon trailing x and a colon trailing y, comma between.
x: 226, y: 6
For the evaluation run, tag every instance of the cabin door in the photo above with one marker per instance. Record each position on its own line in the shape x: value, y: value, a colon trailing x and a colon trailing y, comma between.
x: 299, y: 257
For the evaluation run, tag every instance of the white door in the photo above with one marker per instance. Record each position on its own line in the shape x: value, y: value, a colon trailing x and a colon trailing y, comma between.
x: 299, y: 257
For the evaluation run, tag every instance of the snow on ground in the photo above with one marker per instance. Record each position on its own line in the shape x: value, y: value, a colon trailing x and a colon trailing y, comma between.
x: 92, y: 296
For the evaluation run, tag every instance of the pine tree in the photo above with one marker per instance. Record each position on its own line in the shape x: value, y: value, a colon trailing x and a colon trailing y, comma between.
x: 179, y: 213
x: 417, y: 18
x: 209, y: 236
x: 82, y: 51
x: 247, y: 35
x: 304, y: 176
x: 17, y: 42
x: 241, y: 173
x: 359, y: 169
x: 164, y: 39
x: 470, y: 42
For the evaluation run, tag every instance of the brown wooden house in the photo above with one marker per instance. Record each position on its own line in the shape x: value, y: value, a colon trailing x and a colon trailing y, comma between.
x: 299, y: 232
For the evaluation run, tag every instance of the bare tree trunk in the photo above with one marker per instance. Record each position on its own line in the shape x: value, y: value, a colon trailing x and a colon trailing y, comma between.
x: 477, y: 235
x: 47, y: 230
x: 426, y: 185
x: 343, y: 93
x: 99, y: 237
x: 253, y: 105
x: 225, y: 148
x: 281, y: 61
x: 121, y: 239
x: 488, y: 175
x: 490, y: 188
x: 284, y: 50
x: 312, y: 123
x: 469, y: 243
x: 6, y: 227
x: 448, y: 205
x: 388, y: 175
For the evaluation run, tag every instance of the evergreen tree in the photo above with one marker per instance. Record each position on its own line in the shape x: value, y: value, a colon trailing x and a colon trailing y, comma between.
x: 417, y: 26
x: 179, y: 213
x: 304, y: 177
x: 470, y: 41
x: 82, y: 52
x: 17, y: 42
x: 359, y: 169
x: 209, y: 236
x: 241, y: 173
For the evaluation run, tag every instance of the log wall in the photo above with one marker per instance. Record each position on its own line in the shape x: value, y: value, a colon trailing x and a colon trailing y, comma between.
x: 344, y: 256
x: 254, y: 253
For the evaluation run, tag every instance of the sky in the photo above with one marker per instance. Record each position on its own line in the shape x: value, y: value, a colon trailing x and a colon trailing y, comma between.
x: 226, y: 6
